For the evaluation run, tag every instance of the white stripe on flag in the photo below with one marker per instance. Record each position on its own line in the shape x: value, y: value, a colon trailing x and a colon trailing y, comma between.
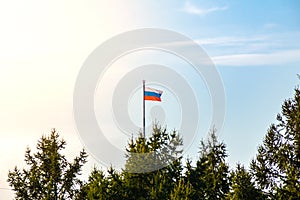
x: 147, y: 89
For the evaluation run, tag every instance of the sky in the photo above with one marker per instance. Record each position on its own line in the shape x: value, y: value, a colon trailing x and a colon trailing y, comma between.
x: 254, y: 45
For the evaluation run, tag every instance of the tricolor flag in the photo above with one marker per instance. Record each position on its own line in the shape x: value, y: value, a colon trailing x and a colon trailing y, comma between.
x: 152, y: 94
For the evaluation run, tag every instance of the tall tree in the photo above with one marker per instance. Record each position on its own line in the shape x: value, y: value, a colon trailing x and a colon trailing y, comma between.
x: 103, y: 186
x: 158, y: 161
x: 242, y: 186
x: 159, y: 156
x: 182, y: 191
x: 210, y: 176
x: 97, y: 187
x: 49, y: 175
x: 277, y: 164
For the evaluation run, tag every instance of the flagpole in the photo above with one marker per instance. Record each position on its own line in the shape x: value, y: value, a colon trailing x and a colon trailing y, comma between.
x: 144, y: 109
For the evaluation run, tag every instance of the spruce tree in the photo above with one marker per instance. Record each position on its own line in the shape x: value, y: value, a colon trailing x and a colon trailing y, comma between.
x: 182, y: 191
x: 242, y: 186
x: 210, y: 176
x: 159, y: 156
x: 49, y: 176
x: 277, y: 165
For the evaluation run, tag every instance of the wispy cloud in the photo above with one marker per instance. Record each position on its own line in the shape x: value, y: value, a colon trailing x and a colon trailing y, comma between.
x: 222, y: 41
x: 259, y: 59
x: 192, y: 9
x: 259, y: 50
x: 230, y: 41
x: 255, y: 50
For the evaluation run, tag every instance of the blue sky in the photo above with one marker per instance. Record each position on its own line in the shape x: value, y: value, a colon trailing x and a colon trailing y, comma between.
x: 254, y: 45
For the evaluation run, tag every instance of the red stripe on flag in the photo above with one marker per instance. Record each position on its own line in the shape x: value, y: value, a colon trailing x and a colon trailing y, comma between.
x: 152, y: 98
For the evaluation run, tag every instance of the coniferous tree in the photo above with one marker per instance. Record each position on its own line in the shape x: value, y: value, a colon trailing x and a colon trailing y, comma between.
x: 49, y: 175
x: 210, y: 176
x: 277, y: 164
x: 242, y: 186
x: 97, y: 187
x: 160, y: 161
x: 159, y: 156
x: 182, y: 191
x: 116, y: 185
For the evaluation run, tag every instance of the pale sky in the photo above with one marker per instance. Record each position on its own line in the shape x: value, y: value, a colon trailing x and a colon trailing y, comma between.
x: 254, y: 45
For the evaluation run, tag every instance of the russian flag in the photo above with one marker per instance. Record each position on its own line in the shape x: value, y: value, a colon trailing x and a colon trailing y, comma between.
x: 152, y: 94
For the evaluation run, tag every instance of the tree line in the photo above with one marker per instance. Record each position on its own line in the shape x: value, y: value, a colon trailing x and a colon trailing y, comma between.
x: 274, y: 173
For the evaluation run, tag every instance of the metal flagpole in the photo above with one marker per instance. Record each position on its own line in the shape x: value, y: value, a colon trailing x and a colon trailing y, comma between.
x: 144, y: 109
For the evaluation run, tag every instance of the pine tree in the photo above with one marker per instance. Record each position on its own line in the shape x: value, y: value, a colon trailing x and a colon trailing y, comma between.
x: 49, y: 176
x: 159, y: 157
x: 210, y: 177
x: 277, y: 164
x: 182, y: 191
x: 158, y: 161
x: 97, y: 187
x: 242, y: 186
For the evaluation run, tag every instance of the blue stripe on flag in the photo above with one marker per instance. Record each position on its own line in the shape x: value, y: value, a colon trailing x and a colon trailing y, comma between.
x: 152, y: 94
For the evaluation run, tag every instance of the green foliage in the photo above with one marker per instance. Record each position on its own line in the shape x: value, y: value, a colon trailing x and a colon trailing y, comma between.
x: 210, y: 177
x: 159, y: 148
x: 159, y: 157
x: 242, y: 186
x: 182, y: 191
x: 49, y: 176
x: 103, y: 186
x: 277, y: 164
x: 97, y: 187
x: 274, y: 173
